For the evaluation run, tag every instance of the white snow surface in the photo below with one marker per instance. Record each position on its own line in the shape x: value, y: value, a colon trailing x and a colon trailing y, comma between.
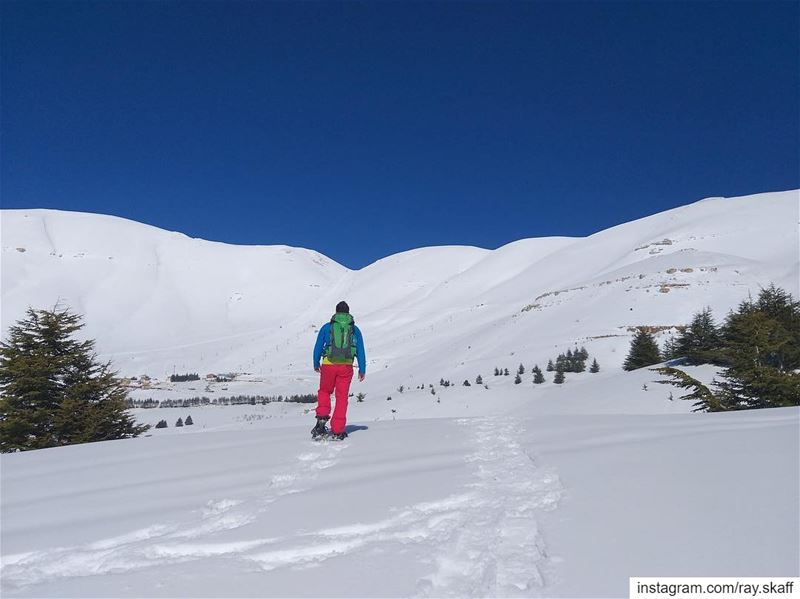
x: 515, y: 490
x: 562, y: 493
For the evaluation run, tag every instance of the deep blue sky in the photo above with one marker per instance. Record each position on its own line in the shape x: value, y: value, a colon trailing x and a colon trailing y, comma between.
x: 362, y: 129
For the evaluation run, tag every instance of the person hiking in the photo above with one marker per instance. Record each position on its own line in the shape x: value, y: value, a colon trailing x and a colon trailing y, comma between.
x: 338, y: 342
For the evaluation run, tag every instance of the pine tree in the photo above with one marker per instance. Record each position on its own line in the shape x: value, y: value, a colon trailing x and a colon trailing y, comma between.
x: 467, y: 383
x: 517, y: 379
x: 595, y: 367
x: 760, y: 349
x: 644, y: 351
x: 670, y: 351
x: 496, y: 371
x: 161, y: 424
x: 559, y: 377
x: 779, y: 306
x: 179, y: 422
x: 550, y: 367
x: 54, y: 391
x: 578, y: 363
x: 521, y: 369
x: 699, y: 343
x: 505, y: 372
x: 479, y: 380
x: 538, y: 377
x: 189, y: 421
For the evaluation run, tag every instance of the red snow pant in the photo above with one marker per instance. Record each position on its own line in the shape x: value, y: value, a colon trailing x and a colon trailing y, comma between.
x: 334, y: 377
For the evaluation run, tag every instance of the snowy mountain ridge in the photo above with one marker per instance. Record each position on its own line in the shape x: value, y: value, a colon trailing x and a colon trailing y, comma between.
x: 159, y: 302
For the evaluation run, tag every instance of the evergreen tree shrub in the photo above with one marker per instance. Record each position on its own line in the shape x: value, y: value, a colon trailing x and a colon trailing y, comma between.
x: 670, y: 351
x: 53, y: 391
x: 643, y: 351
x: 700, y: 342
x: 761, y: 347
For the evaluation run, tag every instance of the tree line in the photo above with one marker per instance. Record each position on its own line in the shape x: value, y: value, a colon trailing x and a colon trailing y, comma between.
x: 234, y: 400
x: 184, y: 378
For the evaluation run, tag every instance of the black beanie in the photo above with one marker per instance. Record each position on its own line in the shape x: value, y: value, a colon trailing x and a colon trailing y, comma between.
x: 343, y: 308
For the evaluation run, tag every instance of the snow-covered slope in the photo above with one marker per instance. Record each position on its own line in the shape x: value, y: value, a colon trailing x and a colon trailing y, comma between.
x: 158, y: 302
x: 564, y: 494
x: 504, y: 490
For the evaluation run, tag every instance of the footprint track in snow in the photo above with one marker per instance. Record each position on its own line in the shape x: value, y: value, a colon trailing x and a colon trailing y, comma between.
x: 498, y: 551
x: 484, y: 539
x: 170, y: 542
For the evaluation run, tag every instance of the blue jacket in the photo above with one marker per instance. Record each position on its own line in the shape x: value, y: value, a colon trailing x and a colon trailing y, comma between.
x: 324, y: 340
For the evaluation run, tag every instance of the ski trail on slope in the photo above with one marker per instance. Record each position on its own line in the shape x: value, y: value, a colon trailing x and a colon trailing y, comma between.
x: 171, y: 541
x: 498, y: 550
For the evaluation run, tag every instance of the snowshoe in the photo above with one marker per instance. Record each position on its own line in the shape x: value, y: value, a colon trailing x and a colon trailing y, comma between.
x: 320, y: 430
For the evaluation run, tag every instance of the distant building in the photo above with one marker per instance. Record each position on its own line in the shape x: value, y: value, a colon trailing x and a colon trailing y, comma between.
x: 212, y: 377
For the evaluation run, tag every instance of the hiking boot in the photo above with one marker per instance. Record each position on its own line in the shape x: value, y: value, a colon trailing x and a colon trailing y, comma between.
x: 319, y: 428
x: 339, y: 436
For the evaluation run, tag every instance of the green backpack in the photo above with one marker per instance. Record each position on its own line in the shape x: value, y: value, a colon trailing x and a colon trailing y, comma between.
x: 342, y: 348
